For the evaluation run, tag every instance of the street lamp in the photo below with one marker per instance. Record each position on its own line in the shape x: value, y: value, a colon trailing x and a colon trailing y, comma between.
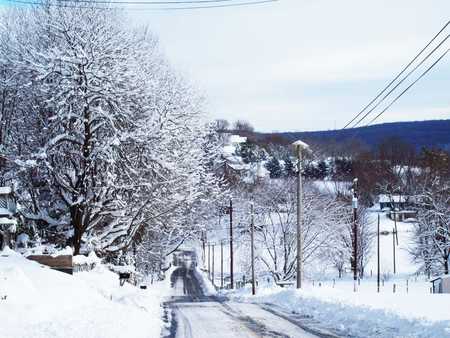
x: 299, y: 147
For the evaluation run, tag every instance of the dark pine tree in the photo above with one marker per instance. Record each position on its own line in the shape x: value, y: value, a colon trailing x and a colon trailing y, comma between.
x: 248, y: 152
x: 289, y: 169
x: 322, y: 170
x: 274, y: 168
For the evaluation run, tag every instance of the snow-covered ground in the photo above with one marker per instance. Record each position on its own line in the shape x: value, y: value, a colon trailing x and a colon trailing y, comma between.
x: 364, y: 313
x: 409, y: 312
x: 404, y: 265
x: 36, y: 301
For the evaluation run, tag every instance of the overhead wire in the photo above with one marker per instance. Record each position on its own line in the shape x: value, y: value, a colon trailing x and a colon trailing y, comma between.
x: 400, y: 82
x: 67, y: 4
x: 407, y: 88
x: 397, y: 76
x: 175, y: 2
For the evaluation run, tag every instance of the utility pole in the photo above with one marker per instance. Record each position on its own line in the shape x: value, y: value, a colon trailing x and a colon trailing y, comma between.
x: 231, y: 245
x: 252, y: 235
x: 395, y: 224
x: 394, y: 209
x: 212, y: 279
x: 393, y: 248
x: 299, y: 147
x: 355, y: 232
x: 221, y: 264
x: 378, y: 254
x: 204, y: 248
x: 209, y: 260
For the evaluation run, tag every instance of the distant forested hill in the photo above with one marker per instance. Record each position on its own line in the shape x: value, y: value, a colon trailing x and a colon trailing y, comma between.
x: 434, y: 133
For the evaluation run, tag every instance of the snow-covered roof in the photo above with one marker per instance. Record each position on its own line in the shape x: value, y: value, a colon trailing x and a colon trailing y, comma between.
x: 300, y: 144
x: 7, y: 221
x: 391, y: 198
x: 228, y: 150
x: 5, y: 190
x: 237, y: 166
x: 237, y: 139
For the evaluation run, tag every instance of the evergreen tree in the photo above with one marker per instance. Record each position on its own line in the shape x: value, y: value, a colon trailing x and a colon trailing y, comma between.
x: 274, y: 168
x: 322, y: 170
x: 289, y: 169
x: 248, y: 152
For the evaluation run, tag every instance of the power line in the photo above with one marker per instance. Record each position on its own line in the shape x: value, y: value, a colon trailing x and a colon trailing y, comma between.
x: 398, y: 75
x: 61, y: 5
x: 407, y: 88
x: 176, y: 2
x: 400, y: 82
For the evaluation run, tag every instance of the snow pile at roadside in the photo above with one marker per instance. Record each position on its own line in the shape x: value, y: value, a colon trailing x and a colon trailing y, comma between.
x: 90, y: 259
x: 206, y: 285
x: 363, y: 314
x: 36, y: 301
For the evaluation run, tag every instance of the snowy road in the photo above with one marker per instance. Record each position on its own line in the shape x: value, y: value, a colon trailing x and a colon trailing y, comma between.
x: 198, y: 316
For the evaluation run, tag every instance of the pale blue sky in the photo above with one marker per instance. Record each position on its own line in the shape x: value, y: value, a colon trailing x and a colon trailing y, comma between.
x: 305, y: 64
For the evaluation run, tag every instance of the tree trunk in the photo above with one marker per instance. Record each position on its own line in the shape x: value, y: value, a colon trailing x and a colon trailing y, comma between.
x: 2, y: 240
x: 77, y: 242
x: 76, y: 215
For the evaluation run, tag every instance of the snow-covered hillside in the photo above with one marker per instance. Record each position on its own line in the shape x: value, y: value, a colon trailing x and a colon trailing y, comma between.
x: 36, y: 301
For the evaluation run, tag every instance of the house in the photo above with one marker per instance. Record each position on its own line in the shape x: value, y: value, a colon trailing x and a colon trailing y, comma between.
x: 403, y: 215
x: 441, y: 284
x: 8, y: 222
x: 395, y: 202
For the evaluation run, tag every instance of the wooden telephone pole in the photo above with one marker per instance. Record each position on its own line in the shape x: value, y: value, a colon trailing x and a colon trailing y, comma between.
x: 299, y: 147
x: 231, y: 245
x: 221, y: 264
x: 212, y: 278
x: 355, y: 232
x: 209, y: 260
x: 204, y: 239
x: 393, y: 248
x: 252, y: 235
x: 378, y: 254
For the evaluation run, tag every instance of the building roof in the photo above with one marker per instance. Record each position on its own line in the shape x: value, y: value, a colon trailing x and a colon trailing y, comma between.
x: 5, y: 190
x: 382, y: 198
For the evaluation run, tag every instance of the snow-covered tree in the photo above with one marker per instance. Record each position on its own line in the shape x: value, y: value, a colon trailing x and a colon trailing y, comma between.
x: 431, y: 245
x: 341, y: 240
x: 116, y: 145
x: 275, y: 203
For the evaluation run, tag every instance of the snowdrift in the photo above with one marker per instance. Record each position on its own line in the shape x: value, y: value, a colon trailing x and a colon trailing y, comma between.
x: 36, y: 301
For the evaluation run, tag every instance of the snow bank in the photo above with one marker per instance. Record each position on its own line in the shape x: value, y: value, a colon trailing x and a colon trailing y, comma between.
x: 363, y: 314
x: 206, y: 285
x: 41, y: 302
x: 90, y: 259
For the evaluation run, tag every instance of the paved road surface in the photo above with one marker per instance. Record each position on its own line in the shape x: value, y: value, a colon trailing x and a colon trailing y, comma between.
x: 192, y: 314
